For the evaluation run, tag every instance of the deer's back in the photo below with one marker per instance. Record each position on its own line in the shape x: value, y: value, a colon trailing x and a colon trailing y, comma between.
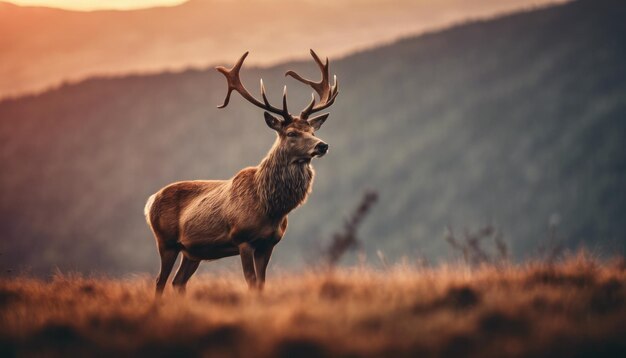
x: 204, y: 216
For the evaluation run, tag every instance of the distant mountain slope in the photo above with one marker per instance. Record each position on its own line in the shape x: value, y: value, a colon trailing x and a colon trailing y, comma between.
x: 41, y: 47
x: 515, y: 121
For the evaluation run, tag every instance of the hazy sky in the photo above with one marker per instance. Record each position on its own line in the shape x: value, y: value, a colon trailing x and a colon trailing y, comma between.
x: 98, y: 4
x: 39, y: 51
x: 87, y: 5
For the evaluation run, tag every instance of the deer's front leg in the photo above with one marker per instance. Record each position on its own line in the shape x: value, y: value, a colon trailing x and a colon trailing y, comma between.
x: 246, y: 251
x: 262, y: 256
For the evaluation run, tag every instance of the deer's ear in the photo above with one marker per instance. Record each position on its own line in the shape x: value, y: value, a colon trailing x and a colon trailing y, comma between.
x: 272, y: 122
x: 316, y: 122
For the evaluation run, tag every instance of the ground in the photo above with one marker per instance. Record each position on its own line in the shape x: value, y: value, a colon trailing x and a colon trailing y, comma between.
x: 576, y: 307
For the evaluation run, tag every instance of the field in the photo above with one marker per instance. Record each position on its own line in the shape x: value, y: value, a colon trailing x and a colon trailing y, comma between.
x: 576, y: 307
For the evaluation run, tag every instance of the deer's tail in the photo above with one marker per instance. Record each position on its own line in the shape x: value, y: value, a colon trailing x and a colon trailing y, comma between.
x: 148, y: 208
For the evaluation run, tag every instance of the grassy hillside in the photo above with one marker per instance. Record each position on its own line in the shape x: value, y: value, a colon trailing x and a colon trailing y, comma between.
x: 574, y: 309
x: 517, y: 121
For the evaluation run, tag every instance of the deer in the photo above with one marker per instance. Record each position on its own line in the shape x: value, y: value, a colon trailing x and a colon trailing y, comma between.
x: 245, y: 215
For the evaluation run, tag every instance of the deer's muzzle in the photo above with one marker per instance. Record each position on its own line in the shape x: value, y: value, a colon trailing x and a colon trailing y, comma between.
x: 321, y: 149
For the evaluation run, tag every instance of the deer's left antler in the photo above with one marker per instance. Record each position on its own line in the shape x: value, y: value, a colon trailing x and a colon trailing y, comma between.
x: 234, y: 84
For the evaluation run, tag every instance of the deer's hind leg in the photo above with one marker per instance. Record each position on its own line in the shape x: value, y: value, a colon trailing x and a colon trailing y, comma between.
x: 186, y: 269
x: 168, y: 258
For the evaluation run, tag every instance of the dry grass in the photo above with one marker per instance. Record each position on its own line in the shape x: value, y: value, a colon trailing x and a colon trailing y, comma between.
x: 573, y: 308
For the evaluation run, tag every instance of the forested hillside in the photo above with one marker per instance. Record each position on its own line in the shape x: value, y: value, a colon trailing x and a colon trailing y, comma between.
x: 518, y: 122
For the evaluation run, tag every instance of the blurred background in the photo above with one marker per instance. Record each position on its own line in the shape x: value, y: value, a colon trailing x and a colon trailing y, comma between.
x: 461, y: 115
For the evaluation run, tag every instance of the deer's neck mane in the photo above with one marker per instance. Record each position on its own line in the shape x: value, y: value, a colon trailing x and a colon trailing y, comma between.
x: 282, y: 185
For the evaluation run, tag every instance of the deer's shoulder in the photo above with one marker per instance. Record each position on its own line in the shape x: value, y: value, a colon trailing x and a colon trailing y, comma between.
x: 245, y: 177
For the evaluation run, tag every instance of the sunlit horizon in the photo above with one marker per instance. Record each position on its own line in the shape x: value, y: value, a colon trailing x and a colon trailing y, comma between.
x: 95, y: 5
x: 91, y: 5
x: 96, y: 38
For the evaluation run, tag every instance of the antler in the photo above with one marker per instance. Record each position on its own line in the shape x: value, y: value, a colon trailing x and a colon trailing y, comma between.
x: 325, y: 91
x: 234, y: 83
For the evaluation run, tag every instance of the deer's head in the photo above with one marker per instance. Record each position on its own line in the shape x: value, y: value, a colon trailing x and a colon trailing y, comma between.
x: 296, y: 133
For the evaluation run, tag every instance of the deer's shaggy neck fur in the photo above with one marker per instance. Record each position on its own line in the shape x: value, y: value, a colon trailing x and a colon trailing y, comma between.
x: 281, y: 184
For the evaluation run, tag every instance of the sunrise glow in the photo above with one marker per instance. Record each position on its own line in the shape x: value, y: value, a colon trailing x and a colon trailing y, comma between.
x: 88, y: 5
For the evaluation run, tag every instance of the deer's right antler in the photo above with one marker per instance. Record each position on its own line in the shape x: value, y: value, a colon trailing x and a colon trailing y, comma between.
x: 325, y: 91
x: 234, y: 83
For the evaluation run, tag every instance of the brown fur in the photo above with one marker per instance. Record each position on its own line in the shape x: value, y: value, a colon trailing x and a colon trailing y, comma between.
x: 245, y: 215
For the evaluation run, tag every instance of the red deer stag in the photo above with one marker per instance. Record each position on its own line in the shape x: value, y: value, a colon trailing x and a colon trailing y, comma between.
x: 247, y: 214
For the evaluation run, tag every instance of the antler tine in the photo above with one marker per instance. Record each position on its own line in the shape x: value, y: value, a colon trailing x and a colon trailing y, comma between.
x: 267, y: 103
x: 235, y: 84
x: 285, y: 100
x: 320, y: 86
x: 232, y: 77
x: 311, y: 105
x: 326, y: 93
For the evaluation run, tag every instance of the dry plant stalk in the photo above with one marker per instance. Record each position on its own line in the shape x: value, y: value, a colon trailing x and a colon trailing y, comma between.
x: 347, y: 240
x: 470, y: 245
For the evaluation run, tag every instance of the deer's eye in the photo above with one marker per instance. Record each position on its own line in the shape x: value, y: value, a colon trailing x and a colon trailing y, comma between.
x: 292, y: 134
